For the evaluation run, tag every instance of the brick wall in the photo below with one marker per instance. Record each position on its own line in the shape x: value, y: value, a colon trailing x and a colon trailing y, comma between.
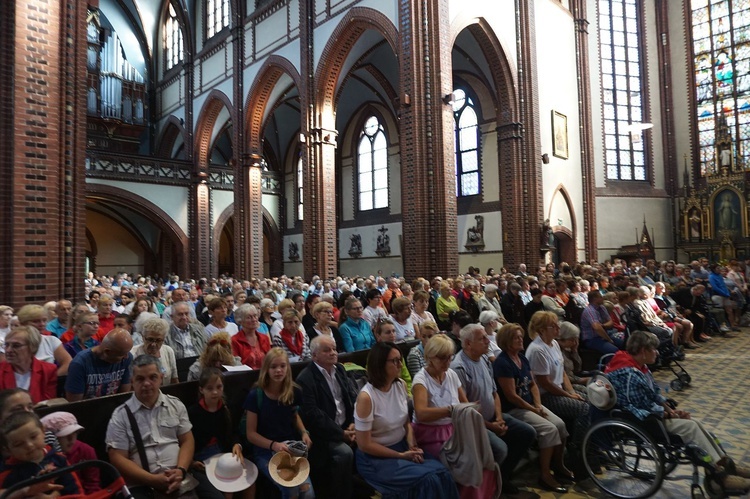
x: 43, y: 130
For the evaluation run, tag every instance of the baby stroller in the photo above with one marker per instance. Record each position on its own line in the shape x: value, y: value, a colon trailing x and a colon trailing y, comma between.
x: 669, y: 355
x: 116, y: 489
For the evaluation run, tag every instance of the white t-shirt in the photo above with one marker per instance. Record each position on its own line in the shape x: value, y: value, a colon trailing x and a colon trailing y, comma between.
x: 438, y: 395
x: 23, y: 380
x: 230, y: 328
x: 47, y: 348
x: 388, y: 416
x: 546, y: 360
x: 167, y: 358
x: 404, y: 331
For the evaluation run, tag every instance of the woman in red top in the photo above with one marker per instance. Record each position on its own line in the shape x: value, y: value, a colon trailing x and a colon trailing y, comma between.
x: 22, y: 370
x: 250, y: 345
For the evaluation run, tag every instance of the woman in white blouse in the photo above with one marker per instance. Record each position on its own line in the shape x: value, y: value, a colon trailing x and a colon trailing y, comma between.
x: 387, y: 455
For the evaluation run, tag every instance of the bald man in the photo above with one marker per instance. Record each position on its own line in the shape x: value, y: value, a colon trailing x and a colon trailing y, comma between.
x: 101, y: 370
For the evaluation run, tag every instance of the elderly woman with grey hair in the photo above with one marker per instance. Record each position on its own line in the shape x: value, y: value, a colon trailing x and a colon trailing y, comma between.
x: 491, y: 301
x: 568, y: 340
x: 491, y: 323
x: 154, y: 330
x: 21, y: 369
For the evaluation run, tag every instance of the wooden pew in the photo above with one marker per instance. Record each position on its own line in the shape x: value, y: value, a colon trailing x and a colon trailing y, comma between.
x: 94, y: 414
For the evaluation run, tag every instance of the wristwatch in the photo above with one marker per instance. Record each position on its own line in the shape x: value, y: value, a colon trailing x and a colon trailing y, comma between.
x: 184, y: 472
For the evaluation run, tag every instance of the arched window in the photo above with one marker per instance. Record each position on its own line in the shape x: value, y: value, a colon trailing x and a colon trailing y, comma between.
x: 300, y: 190
x: 622, y: 88
x: 217, y: 16
x: 373, y: 166
x: 721, y: 52
x: 466, y: 145
x: 173, y: 40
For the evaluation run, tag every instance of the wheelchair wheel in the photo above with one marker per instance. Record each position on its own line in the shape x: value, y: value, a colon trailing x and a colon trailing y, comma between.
x: 713, y: 489
x: 676, y: 385
x: 685, y: 378
x: 622, y: 460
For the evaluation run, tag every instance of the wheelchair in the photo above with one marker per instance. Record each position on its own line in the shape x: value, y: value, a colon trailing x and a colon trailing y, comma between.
x: 630, y: 459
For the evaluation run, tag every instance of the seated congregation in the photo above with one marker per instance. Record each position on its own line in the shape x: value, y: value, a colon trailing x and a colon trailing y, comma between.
x: 434, y: 389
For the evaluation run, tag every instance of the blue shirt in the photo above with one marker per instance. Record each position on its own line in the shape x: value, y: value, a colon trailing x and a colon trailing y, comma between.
x: 504, y: 367
x: 55, y: 327
x: 93, y: 377
x: 356, y: 335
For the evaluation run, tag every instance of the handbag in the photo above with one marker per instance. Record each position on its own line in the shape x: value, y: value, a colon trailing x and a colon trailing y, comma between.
x: 188, y: 483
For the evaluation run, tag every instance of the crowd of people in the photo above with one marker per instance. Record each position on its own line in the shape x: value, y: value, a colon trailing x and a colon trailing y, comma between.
x: 495, y: 366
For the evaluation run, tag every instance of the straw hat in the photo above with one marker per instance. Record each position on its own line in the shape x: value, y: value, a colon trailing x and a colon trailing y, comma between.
x: 287, y: 470
x: 228, y: 474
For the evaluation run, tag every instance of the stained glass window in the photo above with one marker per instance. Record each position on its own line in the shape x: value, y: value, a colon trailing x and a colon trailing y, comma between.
x: 217, y: 16
x: 622, y: 89
x: 466, y: 144
x: 173, y: 39
x: 300, y: 190
x: 373, y: 166
x: 721, y: 51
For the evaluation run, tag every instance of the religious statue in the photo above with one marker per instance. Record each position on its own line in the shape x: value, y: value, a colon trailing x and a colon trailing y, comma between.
x: 355, y: 249
x: 548, y: 238
x: 383, y: 247
x: 695, y: 224
x: 293, y: 252
x: 475, y: 235
x: 727, y: 213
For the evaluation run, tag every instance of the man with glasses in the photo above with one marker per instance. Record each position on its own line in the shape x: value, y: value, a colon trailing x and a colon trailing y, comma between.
x: 509, y: 437
x: 101, y: 370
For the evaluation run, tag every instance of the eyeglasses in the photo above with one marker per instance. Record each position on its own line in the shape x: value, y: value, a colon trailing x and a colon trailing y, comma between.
x: 396, y: 361
x: 14, y: 345
x: 443, y: 358
x: 153, y: 341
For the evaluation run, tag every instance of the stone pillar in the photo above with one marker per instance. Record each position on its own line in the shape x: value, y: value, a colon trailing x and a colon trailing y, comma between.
x: 42, y: 150
x: 428, y: 183
x: 578, y: 7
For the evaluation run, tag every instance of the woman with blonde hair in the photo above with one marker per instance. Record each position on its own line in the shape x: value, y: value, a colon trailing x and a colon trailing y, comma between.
x: 6, y: 314
x: 51, y: 348
x: 548, y: 366
x: 445, y: 304
x: 324, y: 324
x: 519, y: 397
x: 415, y: 360
x: 273, y: 419
x: 217, y: 353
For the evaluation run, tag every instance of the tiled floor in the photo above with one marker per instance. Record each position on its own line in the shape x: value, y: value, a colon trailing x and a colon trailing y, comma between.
x: 719, y: 396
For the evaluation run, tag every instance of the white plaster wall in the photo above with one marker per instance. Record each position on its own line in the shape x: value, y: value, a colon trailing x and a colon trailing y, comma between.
x: 595, y: 83
x: 493, y: 223
x: 293, y: 268
x: 172, y: 199
x: 220, y: 200
x: 500, y: 14
x: 369, y: 234
x: 371, y: 266
x: 215, y: 68
x: 171, y: 95
x: 347, y: 188
x: 272, y: 204
x: 619, y: 218
x: 653, y: 39
x: 681, y: 78
x: 558, y: 91
x: 117, y: 249
x: 490, y: 170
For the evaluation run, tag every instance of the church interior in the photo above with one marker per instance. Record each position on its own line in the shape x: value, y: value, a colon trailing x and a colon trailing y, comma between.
x: 354, y: 137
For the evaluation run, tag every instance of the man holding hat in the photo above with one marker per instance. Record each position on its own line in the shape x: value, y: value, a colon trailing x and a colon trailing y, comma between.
x: 328, y: 412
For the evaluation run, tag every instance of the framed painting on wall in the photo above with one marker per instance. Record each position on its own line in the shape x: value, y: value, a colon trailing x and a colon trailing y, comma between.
x: 559, y: 135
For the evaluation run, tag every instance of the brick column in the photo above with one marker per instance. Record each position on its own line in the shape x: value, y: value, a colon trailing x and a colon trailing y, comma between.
x: 578, y: 7
x: 523, y: 236
x: 42, y: 150
x: 429, y: 218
